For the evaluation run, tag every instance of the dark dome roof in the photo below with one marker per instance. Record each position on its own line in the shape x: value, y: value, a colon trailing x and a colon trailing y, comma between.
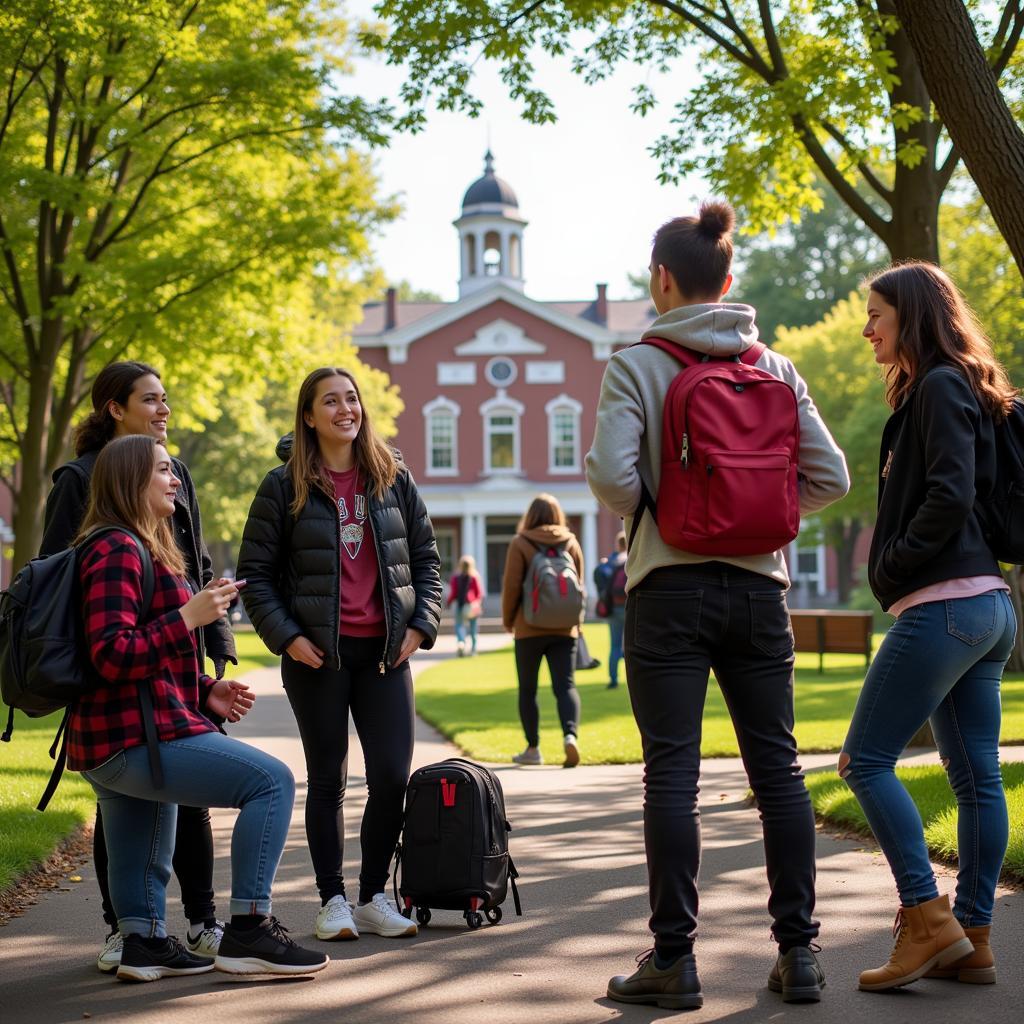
x: 490, y: 188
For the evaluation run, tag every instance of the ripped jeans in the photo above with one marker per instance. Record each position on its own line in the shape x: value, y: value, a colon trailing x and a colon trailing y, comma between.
x: 941, y: 661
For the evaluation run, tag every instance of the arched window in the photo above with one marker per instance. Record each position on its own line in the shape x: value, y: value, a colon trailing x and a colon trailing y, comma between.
x: 563, y: 434
x: 441, y: 422
x: 501, y: 434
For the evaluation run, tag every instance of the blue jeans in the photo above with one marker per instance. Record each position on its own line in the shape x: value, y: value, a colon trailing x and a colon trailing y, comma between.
x: 616, y: 626
x: 941, y: 661
x: 208, y: 770
x: 464, y: 624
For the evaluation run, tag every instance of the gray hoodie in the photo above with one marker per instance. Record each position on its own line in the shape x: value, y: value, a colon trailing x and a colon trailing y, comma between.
x: 627, y: 441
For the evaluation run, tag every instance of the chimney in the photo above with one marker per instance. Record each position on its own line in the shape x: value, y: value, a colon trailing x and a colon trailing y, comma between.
x: 391, y: 309
x: 601, y: 309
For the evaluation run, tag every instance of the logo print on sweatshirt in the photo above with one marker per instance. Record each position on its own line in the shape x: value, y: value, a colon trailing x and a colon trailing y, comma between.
x: 352, y: 533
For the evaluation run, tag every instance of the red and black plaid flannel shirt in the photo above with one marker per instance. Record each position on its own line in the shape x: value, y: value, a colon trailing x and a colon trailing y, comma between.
x: 159, y: 653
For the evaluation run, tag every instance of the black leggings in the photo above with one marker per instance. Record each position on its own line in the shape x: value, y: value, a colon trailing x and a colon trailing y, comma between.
x: 193, y: 864
x: 384, y: 715
x: 560, y: 652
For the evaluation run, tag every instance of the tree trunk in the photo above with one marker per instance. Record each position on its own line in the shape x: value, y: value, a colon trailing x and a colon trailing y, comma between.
x: 842, y: 537
x: 33, y: 472
x: 966, y: 91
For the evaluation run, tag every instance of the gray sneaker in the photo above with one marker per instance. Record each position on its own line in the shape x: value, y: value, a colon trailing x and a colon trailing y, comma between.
x: 677, y: 987
x: 531, y: 755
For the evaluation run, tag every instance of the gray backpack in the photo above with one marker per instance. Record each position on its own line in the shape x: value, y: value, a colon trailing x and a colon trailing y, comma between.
x: 552, y: 594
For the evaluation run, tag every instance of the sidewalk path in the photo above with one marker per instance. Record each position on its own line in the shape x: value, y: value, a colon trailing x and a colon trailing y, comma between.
x: 578, y: 843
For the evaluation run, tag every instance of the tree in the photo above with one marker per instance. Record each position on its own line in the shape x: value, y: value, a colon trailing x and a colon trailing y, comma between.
x: 407, y: 293
x: 791, y: 93
x: 170, y: 172
x: 839, y: 368
x: 963, y: 81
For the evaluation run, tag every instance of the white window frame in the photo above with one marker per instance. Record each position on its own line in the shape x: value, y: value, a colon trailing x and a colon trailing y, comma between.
x: 492, y: 380
x: 449, y: 408
x: 564, y: 403
x: 503, y: 406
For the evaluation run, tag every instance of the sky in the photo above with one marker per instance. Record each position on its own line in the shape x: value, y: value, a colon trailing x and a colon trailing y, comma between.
x: 586, y: 184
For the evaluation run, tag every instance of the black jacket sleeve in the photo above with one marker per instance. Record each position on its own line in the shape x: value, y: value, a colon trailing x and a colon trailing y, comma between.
x: 65, y: 509
x: 946, y: 417
x: 261, y: 561
x: 218, y: 637
x: 424, y: 561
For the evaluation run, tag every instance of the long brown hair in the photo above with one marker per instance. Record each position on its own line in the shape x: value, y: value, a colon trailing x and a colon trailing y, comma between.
x: 117, y: 497
x: 544, y: 510
x: 114, y: 383
x: 937, y: 327
x: 375, y: 459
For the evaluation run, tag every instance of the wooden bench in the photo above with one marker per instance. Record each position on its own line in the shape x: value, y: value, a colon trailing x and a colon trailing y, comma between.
x: 832, y: 631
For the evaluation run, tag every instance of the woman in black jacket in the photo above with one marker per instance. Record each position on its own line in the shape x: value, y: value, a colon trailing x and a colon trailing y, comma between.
x: 943, y: 657
x: 343, y: 579
x: 128, y: 398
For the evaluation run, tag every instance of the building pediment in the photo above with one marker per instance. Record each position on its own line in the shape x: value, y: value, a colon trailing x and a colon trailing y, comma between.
x: 500, y: 338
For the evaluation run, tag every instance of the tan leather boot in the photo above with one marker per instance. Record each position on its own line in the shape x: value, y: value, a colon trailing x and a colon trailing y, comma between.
x: 927, y: 936
x: 977, y: 969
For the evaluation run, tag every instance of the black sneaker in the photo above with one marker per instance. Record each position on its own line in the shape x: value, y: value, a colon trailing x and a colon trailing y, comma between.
x: 266, y: 949
x: 798, y: 976
x: 143, y: 962
x: 677, y: 987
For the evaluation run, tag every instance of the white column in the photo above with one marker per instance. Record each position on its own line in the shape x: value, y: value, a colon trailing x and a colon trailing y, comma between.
x: 479, y: 235
x: 589, y: 550
x: 506, y: 265
x: 481, y: 546
x: 467, y: 536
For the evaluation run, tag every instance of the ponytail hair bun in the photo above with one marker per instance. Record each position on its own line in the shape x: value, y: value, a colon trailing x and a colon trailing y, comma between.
x: 716, y: 219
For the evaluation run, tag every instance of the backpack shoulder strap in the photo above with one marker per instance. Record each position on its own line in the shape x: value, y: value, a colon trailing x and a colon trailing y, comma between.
x: 148, y: 572
x: 678, y: 352
x: 752, y: 354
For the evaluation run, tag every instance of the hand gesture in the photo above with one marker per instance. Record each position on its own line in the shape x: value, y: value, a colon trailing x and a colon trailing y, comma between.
x: 300, y: 649
x: 410, y: 644
x: 230, y: 699
x: 209, y: 604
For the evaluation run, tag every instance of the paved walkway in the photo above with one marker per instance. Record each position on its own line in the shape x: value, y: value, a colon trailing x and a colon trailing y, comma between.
x: 579, y: 846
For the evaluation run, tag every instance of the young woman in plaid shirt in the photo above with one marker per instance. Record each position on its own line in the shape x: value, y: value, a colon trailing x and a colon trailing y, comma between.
x: 133, y: 486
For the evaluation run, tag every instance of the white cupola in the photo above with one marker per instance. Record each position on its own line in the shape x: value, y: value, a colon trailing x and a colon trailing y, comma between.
x: 490, y: 234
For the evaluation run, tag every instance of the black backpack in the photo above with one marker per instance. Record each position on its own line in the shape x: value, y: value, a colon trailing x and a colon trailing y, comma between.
x: 453, y: 853
x: 44, y: 666
x: 1002, y: 512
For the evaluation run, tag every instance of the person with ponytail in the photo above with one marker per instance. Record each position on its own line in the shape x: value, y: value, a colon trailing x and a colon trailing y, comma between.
x: 688, y: 613
x: 344, y: 580
x: 143, y: 739
x: 942, y: 659
x: 128, y: 398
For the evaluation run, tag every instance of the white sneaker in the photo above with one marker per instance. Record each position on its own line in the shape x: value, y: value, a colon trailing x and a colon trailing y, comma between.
x: 381, y: 918
x: 207, y: 942
x: 110, y: 956
x: 572, y: 751
x: 531, y: 755
x: 334, y: 920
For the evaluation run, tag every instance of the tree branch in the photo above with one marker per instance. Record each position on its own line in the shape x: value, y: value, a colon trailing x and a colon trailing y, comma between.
x: 754, y: 63
x: 772, y: 40
x: 860, y: 206
x: 883, y: 191
x: 20, y: 305
x: 949, y: 165
x: 1011, y: 25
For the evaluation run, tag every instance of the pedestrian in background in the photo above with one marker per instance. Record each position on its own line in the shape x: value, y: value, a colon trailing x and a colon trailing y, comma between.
x: 466, y: 592
x: 942, y: 659
x: 545, y: 562
x: 610, y: 581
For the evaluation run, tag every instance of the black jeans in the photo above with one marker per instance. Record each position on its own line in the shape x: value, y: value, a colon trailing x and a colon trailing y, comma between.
x: 682, y: 621
x: 560, y: 652
x: 193, y: 864
x: 384, y: 715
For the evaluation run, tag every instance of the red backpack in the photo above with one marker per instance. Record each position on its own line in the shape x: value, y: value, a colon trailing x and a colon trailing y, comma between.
x: 729, y: 445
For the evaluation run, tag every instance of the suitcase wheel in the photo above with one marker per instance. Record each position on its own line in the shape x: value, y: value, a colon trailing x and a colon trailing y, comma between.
x: 474, y: 920
x: 494, y: 915
x: 423, y: 916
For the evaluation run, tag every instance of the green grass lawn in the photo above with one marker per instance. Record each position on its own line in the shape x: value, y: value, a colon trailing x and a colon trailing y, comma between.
x: 28, y: 837
x: 473, y: 702
x: 836, y: 804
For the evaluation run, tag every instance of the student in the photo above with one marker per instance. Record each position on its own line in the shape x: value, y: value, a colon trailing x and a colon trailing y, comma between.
x: 343, y: 579
x: 942, y: 659
x: 688, y: 613
x: 466, y: 592
x: 128, y: 398
x: 133, y: 488
x: 543, y: 526
x: 610, y: 580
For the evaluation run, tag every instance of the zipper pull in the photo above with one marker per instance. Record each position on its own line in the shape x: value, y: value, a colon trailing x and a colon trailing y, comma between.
x: 684, y: 455
x: 380, y: 667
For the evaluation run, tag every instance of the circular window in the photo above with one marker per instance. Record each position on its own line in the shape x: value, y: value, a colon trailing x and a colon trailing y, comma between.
x: 500, y: 372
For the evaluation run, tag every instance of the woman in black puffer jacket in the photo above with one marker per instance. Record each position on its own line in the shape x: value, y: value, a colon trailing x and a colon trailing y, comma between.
x: 343, y: 579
